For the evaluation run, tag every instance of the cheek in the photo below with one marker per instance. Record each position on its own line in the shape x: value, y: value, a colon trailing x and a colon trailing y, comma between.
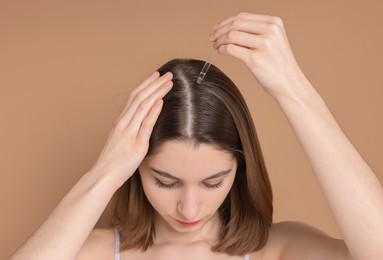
x: 223, y: 192
x: 220, y: 196
x: 159, y: 200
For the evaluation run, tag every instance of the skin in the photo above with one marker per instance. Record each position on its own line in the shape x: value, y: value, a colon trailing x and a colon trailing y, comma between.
x: 353, y: 193
x: 204, y: 178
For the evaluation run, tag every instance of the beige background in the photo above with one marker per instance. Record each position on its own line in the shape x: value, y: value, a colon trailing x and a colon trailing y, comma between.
x: 66, y: 68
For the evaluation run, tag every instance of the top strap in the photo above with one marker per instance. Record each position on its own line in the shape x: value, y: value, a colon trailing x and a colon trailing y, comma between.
x: 117, y: 248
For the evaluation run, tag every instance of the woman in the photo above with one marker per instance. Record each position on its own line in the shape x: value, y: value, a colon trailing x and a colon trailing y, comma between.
x: 206, y: 195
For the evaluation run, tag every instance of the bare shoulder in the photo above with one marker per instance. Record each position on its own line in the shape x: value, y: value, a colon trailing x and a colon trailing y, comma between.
x: 99, y: 245
x: 296, y: 240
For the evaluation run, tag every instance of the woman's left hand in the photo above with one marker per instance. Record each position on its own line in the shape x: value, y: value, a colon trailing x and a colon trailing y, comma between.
x: 261, y: 42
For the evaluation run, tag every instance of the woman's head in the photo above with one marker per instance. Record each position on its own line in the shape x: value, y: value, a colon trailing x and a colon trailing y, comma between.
x: 211, y: 115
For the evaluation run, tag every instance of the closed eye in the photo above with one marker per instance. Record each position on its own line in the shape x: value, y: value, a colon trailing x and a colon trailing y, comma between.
x: 173, y: 185
x: 165, y: 185
x: 214, y: 186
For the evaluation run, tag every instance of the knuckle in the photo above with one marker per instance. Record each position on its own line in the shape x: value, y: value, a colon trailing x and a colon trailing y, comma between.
x: 222, y: 49
x: 274, y: 28
x: 129, y: 101
x: 236, y: 23
x: 139, y: 97
x: 268, y: 44
x: 132, y: 94
x: 231, y: 35
x: 146, y: 124
x: 142, y: 107
x: 118, y: 125
x: 253, y: 61
x: 243, y: 15
x: 277, y: 21
x: 229, y: 48
x: 219, y: 24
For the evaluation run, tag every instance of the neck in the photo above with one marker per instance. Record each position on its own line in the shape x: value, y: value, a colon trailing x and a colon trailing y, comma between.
x: 208, y: 233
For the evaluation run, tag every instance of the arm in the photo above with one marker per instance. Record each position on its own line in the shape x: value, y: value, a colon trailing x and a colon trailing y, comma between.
x: 353, y: 192
x: 64, y: 232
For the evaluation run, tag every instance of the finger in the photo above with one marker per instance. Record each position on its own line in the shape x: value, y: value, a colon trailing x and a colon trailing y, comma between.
x: 245, y: 16
x: 235, y: 51
x: 239, y: 38
x: 145, y: 83
x: 243, y: 25
x: 145, y: 92
x: 145, y: 106
x: 149, y: 122
x: 142, y: 92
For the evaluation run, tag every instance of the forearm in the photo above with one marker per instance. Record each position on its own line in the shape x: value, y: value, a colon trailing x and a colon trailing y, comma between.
x: 64, y: 232
x: 354, y: 194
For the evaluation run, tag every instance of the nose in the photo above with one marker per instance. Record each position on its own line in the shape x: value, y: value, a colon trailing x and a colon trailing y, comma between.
x: 188, y: 204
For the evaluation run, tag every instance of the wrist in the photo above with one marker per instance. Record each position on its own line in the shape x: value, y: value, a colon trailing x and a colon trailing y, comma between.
x: 104, y: 179
x: 296, y: 91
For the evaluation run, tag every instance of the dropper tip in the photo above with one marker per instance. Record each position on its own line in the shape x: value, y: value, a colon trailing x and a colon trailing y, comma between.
x: 201, y: 76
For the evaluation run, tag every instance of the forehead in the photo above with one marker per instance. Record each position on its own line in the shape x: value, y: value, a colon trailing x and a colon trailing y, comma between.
x: 181, y: 158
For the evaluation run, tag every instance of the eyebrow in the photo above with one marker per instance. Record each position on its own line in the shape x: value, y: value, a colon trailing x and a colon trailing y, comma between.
x: 168, y: 175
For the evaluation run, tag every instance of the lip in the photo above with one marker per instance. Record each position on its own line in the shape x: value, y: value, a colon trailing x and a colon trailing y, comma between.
x: 188, y: 224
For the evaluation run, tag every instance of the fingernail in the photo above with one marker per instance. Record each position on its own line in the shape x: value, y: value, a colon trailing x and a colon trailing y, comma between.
x: 168, y: 75
x: 215, y: 27
x: 211, y: 37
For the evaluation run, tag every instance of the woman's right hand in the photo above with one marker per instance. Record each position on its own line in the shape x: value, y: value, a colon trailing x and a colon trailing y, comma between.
x: 128, y: 141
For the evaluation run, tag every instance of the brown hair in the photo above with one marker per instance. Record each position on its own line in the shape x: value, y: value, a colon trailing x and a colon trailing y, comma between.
x: 213, y: 112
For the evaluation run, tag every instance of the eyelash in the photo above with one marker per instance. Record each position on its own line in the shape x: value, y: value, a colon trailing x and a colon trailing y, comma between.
x: 214, y: 186
x: 163, y: 185
x: 170, y: 186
